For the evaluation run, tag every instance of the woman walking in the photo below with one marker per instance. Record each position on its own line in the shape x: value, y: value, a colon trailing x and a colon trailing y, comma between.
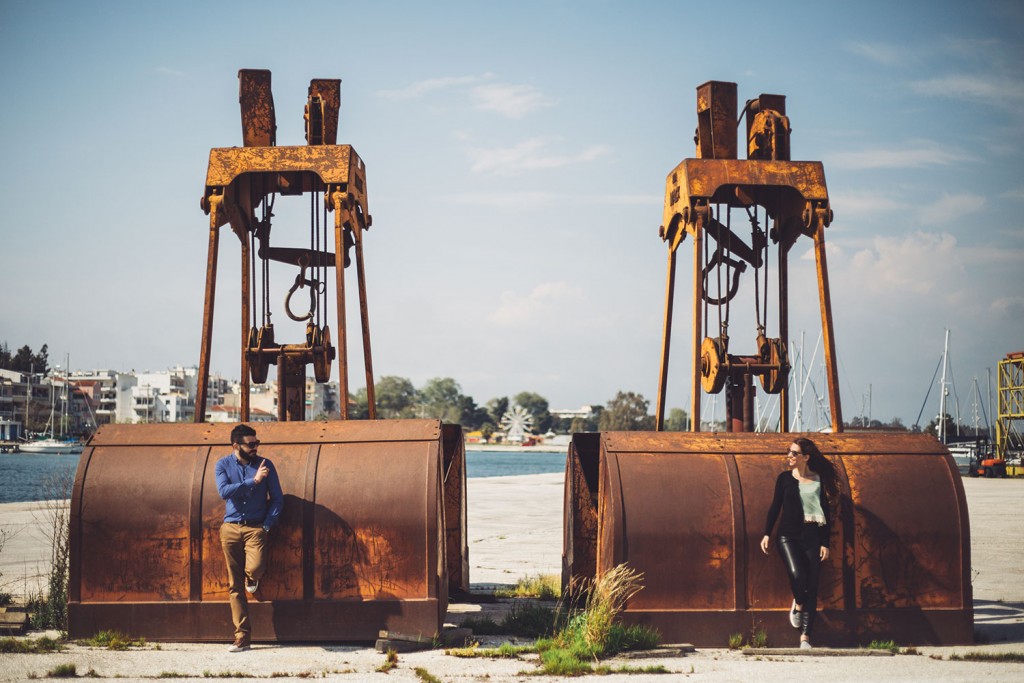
x: 802, y: 495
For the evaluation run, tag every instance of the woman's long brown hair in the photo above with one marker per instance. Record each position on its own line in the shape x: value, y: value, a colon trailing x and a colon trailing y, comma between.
x: 821, y: 466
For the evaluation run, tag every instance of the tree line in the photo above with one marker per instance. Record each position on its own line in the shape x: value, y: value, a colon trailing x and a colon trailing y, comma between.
x: 442, y: 398
x: 25, y: 359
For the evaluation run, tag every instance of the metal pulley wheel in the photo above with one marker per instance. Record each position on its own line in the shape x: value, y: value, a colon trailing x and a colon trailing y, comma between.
x: 773, y: 352
x: 323, y: 354
x: 259, y: 360
x: 713, y: 370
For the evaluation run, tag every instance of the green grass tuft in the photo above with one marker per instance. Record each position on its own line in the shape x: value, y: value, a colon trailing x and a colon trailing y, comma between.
x: 735, y: 641
x: 390, y: 661
x: 759, y: 638
x: 988, y: 657
x: 563, y: 662
x: 227, y: 674
x: 527, y: 621
x: 63, y: 671
x: 426, y: 676
x: 29, y: 645
x: 541, y: 586
x: 113, y: 640
x: 888, y: 645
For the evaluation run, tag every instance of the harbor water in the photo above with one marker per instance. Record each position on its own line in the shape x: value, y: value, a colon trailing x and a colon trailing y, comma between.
x: 27, y: 478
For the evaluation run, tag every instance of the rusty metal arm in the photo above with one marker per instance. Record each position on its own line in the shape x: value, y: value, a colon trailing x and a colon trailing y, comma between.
x: 203, y: 379
x: 337, y: 203
x: 821, y: 215
x: 364, y: 316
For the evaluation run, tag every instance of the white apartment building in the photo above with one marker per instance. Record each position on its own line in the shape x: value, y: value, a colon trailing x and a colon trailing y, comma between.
x: 584, y: 413
x: 110, y: 391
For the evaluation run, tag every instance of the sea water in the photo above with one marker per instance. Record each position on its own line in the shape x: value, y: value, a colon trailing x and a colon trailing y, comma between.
x: 27, y: 478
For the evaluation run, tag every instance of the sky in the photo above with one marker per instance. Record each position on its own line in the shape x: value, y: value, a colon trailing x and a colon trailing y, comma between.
x: 516, y: 157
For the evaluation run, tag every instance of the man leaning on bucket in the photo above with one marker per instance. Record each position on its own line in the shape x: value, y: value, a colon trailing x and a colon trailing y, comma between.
x: 252, y: 492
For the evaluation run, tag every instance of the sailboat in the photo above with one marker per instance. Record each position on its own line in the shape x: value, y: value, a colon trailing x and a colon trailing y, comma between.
x: 50, y: 445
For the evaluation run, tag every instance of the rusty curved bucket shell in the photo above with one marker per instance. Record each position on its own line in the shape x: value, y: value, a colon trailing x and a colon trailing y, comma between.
x: 688, y: 511
x: 360, y: 546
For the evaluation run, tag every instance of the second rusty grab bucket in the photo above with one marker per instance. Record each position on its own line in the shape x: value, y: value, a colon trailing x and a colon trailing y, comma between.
x: 688, y: 510
x: 363, y: 543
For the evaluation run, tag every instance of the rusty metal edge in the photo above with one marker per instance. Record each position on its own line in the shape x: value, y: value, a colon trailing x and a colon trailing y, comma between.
x: 334, y: 164
x: 271, y: 433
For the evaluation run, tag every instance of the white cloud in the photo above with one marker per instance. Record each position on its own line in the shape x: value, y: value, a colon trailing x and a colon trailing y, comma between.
x: 535, y: 200
x: 985, y: 88
x: 1009, y: 305
x: 168, y: 71
x: 862, y: 203
x: 420, y: 88
x: 917, y: 154
x: 529, y: 155
x: 510, y: 100
x: 920, y: 263
x: 832, y: 251
x: 1017, y: 193
x: 880, y: 53
x: 951, y: 208
x: 545, y: 304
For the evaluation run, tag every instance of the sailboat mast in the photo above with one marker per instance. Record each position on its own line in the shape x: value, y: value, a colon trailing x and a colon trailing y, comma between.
x: 943, y: 390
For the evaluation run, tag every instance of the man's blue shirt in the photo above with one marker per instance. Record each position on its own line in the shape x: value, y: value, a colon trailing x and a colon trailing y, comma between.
x: 246, y: 500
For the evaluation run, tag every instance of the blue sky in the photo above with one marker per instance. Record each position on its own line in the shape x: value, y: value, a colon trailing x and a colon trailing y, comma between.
x: 516, y: 159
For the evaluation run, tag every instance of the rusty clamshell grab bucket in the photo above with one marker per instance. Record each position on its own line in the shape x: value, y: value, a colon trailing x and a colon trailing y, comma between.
x: 688, y: 511
x: 360, y: 546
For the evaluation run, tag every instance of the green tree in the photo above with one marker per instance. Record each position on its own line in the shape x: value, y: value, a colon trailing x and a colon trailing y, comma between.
x: 358, y: 405
x: 395, y: 396
x: 24, y: 359
x: 951, y: 426
x: 536, y: 405
x: 441, y: 398
x: 626, y: 412
x: 472, y: 416
x: 677, y: 420
x: 496, y: 409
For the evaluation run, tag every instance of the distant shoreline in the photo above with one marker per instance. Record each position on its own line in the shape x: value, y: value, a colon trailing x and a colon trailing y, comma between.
x: 499, y: 448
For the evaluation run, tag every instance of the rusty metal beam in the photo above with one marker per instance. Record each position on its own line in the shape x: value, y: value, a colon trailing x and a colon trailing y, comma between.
x: 325, y: 95
x: 666, y: 341
x: 209, y: 296
x: 256, y: 100
x: 364, y: 317
x: 828, y: 333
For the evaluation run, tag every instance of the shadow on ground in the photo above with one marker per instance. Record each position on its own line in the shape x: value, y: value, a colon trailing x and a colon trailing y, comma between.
x: 999, y: 622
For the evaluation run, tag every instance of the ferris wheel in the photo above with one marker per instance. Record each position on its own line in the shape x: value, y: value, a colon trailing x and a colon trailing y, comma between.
x: 516, y: 422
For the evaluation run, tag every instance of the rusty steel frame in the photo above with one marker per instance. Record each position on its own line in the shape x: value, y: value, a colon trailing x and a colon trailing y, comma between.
x: 240, y: 178
x: 794, y: 195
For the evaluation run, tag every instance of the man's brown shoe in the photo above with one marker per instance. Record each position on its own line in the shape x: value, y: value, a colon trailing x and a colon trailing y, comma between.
x: 240, y: 645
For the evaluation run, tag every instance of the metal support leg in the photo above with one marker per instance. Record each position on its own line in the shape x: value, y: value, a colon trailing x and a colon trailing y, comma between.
x: 364, y: 315
x: 203, y: 379
x: 666, y: 340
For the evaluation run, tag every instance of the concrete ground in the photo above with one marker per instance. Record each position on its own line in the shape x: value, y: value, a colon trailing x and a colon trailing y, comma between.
x: 516, y: 531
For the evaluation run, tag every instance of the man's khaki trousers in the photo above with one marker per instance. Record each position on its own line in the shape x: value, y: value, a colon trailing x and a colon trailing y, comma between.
x: 244, y: 553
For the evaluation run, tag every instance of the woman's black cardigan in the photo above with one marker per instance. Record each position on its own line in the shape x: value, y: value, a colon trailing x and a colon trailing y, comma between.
x: 787, y: 500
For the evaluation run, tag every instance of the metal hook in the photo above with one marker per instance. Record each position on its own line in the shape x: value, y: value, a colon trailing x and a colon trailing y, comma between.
x: 300, y: 283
